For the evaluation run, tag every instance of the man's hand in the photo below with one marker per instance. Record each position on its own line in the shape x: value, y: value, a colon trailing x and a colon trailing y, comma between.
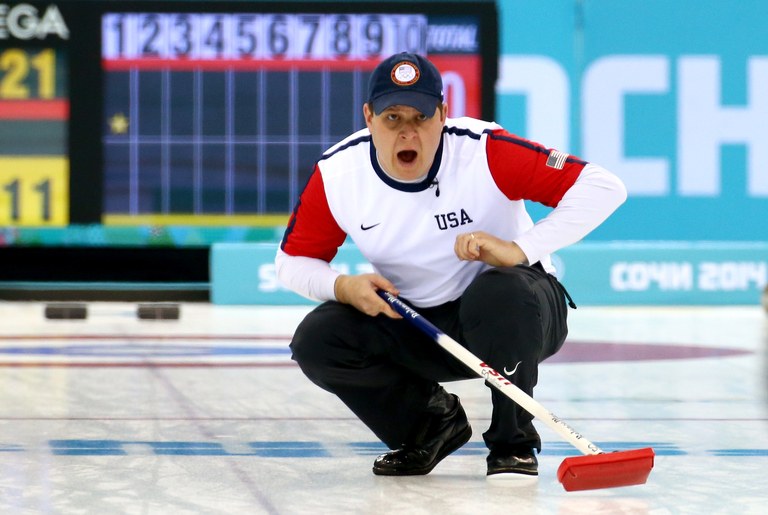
x: 481, y: 246
x: 360, y: 292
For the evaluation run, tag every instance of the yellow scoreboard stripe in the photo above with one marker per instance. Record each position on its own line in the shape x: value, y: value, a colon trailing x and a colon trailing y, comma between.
x: 198, y: 220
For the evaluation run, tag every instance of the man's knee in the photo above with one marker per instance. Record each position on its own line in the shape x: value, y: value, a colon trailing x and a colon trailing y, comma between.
x: 312, y: 334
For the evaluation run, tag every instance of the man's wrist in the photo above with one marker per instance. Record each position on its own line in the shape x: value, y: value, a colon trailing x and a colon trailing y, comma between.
x: 520, y: 257
x: 338, y: 288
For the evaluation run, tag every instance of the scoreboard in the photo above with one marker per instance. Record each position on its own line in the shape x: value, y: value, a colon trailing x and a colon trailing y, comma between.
x: 34, y: 115
x: 204, y: 113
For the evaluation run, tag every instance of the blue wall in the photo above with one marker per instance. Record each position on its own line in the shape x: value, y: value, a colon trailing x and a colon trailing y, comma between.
x: 614, y: 273
x: 672, y: 95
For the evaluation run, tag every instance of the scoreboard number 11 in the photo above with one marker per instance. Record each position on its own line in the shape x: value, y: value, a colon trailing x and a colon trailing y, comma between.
x: 34, y: 191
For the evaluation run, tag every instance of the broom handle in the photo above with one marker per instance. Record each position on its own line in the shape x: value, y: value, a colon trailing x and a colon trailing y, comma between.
x: 491, y: 376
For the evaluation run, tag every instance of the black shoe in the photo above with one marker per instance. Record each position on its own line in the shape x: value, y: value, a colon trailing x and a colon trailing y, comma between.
x: 447, y: 432
x: 521, y: 462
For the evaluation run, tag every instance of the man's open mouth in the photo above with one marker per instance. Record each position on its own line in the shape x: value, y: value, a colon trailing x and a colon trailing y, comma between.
x: 407, y: 156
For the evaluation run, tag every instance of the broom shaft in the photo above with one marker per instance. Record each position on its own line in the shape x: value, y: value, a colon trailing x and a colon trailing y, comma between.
x: 493, y: 377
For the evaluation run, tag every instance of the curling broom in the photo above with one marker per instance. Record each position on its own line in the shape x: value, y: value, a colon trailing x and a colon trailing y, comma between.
x: 596, y: 469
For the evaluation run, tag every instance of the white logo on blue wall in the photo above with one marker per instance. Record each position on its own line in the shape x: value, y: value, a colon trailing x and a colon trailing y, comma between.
x: 704, y: 123
x: 706, y: 276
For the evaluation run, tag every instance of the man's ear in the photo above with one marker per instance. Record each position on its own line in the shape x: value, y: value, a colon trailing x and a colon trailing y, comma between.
x: 368, y: 114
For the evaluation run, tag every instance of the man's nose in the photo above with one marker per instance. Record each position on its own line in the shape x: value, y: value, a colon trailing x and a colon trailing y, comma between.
x: 408, y: 130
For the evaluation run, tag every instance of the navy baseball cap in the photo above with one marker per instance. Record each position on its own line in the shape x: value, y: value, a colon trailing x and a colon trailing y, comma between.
x: 406, y: 79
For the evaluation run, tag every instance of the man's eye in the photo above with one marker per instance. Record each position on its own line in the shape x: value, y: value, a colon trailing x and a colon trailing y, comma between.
x: 392, y: 117
x: 422, y: 117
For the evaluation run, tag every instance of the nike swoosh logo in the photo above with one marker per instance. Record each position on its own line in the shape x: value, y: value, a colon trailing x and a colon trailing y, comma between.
x: 507, y: 372
x: 369, y: 227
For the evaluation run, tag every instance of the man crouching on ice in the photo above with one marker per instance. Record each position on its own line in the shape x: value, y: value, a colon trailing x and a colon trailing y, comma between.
x: 436, y: 205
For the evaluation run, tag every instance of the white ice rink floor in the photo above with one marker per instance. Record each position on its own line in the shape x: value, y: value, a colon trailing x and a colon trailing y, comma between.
x: 208, y: 414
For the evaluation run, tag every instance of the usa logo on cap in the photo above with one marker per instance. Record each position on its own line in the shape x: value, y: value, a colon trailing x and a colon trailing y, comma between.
x: 405, y: 73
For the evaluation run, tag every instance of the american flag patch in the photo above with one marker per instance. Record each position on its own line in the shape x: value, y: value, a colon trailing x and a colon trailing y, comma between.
x: 556, y: 159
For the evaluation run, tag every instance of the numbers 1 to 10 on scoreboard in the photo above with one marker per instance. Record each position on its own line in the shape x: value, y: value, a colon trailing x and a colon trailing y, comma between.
x: 261, y: 36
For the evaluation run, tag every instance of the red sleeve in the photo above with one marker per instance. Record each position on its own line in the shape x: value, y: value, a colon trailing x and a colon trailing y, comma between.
x: 524, y: 170
x: 312, y: 231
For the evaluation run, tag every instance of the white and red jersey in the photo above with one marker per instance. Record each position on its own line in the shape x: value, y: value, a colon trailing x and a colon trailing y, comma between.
x: 479, y: 180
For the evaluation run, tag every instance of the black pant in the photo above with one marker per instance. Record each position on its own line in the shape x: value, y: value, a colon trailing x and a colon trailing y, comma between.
x: 385, y: 370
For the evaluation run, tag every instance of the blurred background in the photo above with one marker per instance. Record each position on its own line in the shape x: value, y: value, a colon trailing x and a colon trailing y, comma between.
x: 153, y: 151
